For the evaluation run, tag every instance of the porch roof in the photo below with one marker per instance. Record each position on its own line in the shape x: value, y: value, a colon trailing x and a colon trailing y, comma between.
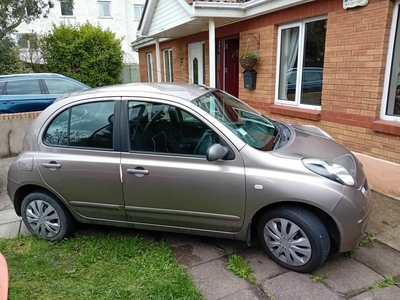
x: 167, y: 19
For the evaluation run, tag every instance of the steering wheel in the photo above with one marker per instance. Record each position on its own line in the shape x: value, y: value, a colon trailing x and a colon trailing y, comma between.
x: 206, y: 139
x: 158, y: 115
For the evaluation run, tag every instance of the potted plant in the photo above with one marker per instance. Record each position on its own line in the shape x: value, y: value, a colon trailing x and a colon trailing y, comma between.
x: 248, y: 60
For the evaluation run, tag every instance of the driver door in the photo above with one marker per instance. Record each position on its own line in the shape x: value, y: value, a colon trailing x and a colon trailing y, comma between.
x: 167, y: 180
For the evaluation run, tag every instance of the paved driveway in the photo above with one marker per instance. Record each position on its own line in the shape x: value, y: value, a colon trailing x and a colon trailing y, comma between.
x: 349, y: 276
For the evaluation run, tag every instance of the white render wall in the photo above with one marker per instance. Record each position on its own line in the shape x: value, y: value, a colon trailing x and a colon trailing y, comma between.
x: 121, y: 21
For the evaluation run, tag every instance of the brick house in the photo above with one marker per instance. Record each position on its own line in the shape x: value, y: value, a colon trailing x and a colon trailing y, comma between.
x: 319, y: 63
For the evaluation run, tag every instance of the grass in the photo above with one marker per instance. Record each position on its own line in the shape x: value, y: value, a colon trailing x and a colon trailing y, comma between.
x: 382, y: 283
x: 240, y: 268
x: 368, y: 239
x: 94, y: 267
x: 319, y: 278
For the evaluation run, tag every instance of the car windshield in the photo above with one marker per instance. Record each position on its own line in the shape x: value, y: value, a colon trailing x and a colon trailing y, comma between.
x: 245, y: 122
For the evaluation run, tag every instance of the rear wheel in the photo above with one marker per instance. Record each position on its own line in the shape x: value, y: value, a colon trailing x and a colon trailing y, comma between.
x: 294, y: 238
x: 45, y: 217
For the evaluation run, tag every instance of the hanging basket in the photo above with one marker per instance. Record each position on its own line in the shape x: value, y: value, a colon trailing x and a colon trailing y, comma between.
x: 247, y: 63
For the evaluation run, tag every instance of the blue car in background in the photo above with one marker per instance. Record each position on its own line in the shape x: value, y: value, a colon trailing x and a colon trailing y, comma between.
x: 34, y: 92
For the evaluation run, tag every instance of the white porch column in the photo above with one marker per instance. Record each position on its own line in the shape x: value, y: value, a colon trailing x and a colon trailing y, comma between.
x: 158, y: 60
x: 211, y: 51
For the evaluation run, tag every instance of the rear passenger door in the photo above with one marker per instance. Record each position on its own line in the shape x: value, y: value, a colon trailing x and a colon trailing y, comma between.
x: 24, y: 95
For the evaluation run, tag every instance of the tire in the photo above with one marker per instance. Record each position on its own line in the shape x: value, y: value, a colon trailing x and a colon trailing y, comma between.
x: 303, y: 242
x: 45, y: 217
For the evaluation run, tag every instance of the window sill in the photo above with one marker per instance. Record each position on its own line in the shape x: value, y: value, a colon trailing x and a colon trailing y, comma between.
x: 302, y: 113
x: 386, y: 127
x: 105, y: 17
x: 67, y: 17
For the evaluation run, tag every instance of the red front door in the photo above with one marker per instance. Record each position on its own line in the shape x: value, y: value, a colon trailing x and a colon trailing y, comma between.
x: 232, y: 67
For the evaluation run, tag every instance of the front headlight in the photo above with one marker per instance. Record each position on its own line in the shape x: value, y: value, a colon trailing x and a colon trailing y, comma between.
x: 329, y: 170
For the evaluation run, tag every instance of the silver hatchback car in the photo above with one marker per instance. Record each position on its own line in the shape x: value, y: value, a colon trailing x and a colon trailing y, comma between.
x: 191, y: 159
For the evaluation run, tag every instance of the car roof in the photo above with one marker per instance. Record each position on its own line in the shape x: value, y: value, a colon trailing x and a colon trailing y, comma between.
x: 184, y: 91
x: 32, y: 75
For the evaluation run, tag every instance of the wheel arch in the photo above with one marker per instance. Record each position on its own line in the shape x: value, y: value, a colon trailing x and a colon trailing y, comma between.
x: 25, y: 190
x: 326, y: 219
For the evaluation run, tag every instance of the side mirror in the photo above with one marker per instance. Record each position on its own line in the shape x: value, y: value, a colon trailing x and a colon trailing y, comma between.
x: 216, y: 152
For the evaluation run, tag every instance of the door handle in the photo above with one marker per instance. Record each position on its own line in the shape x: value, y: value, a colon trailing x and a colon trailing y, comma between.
x: 138, y: 171
x: 51, y: 165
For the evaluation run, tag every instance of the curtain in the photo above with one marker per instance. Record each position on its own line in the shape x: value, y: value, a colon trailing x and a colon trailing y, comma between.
x: 288, y: 58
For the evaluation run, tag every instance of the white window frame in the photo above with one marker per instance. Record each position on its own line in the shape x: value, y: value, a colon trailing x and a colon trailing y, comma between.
x: 300, y: 55
x: 389, y: 61
x: 141, y: 11
x: 150, y: 67
x: 98, y: 5
x: 170, y: 65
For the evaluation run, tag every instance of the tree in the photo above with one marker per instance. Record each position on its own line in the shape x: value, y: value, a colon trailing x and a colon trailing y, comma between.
x: 87, y: 53
x: 10, y: 63
x: 14, y: 12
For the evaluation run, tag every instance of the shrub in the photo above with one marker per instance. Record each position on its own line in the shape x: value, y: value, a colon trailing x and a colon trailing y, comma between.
x: 87, y: 53
x: 10, y: 62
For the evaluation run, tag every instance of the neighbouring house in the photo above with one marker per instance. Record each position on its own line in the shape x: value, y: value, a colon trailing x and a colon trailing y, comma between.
x: 330, y: 63
x: 120, y: 16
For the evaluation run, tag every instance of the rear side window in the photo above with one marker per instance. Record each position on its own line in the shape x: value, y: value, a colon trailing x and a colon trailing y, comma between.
x: 62, y: 86
x: 84, y: 126
x: 23, y: 87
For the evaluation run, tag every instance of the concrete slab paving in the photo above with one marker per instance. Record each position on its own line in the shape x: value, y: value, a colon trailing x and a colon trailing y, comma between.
x: 23, y: 230
x: 8, y: 216
x: 379, y: 257
x: 385, y: 214
x: 298, y: 286
x: 252, y: 293
x: 196, y: 251
x: 263, y: 267
x: 10, y: 230
x: 347, y: 276
x: 214, y: 281
x: 390, y: 237
x: 387, y: 293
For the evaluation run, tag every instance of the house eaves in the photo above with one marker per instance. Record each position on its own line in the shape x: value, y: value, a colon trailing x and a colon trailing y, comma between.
x: 176, y: 18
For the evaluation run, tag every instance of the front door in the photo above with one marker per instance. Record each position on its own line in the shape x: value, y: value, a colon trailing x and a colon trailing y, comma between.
x: 167, y: 179
x: 232, y: 67
x: 196, y: 63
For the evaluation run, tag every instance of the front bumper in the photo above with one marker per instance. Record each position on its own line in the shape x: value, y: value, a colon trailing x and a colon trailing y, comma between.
x: 352, y: 214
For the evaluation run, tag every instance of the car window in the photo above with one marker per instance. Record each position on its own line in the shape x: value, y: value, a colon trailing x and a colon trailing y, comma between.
x: 2, y: 84
x: 311, y: 76
x: 62, y: 86
x: 23, y: 87
x: 164, y: 128
x: 86, y: 125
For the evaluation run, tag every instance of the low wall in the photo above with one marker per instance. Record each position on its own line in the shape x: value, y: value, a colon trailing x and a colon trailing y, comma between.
x: 383, y: 176
x: 12, y: 131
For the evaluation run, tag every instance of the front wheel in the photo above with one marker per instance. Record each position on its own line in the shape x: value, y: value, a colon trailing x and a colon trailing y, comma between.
x: 294, y: 238
x: 45, y: 217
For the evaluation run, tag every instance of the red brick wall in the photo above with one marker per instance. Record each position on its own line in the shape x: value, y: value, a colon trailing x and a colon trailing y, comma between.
x: 355, y: 64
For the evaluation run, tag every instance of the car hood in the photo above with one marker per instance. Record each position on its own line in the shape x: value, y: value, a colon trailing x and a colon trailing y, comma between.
x: 312, y: 142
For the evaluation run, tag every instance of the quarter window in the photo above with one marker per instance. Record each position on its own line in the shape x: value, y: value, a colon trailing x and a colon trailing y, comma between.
x: 87, y: 125
x: 163, y: 128
x: 104, y: 9
x: 168, y: 66
x: 391, y: 102
x: 301, y: 51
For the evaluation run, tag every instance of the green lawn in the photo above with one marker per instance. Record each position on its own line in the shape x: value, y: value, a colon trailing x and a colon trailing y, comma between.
x: 94, y: 267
